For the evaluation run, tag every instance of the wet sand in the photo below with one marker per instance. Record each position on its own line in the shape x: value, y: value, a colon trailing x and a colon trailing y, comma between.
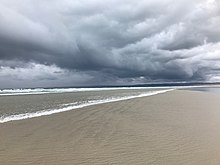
x: 174, y: 128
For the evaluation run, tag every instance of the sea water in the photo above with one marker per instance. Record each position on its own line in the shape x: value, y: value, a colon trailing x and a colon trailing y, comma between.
x: 18, y: 104
x: 215, y: 90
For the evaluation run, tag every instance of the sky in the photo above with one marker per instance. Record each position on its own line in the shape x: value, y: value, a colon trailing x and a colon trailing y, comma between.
x: 48, y: 43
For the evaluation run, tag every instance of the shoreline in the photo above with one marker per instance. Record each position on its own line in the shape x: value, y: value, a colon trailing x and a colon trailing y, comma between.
x: 30, y: 115
x: 177, y: 126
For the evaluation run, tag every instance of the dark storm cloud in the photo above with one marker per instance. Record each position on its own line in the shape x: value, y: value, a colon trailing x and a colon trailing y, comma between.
x: 110, y: 41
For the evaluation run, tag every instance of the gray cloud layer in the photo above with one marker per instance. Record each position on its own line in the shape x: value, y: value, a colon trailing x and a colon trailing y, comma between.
x: 93, y: 42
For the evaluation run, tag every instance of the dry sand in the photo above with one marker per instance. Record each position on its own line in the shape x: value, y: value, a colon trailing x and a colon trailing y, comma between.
x: 175, y: 128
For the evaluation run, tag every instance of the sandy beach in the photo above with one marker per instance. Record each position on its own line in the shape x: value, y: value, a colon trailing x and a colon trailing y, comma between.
x: 175, y: 128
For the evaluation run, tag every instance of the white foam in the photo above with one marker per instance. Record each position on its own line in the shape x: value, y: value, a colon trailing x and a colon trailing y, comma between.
x: 72, y: 106
x: 9, y: 92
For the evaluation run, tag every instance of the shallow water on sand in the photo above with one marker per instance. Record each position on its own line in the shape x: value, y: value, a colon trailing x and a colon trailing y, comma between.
x: 12, y: 104
x: 215, y: 90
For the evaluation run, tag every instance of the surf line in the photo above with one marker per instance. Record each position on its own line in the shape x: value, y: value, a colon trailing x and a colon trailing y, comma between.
x: 4, y: 119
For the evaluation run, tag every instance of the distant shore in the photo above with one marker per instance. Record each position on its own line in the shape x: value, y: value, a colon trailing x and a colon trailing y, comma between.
x: 178, y: 127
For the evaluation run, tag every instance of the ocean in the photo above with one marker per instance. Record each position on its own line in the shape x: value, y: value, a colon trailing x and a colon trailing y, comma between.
x: 18, y: 104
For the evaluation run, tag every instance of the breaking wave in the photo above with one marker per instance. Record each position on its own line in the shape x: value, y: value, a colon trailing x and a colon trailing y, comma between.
x: 8, y: 92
